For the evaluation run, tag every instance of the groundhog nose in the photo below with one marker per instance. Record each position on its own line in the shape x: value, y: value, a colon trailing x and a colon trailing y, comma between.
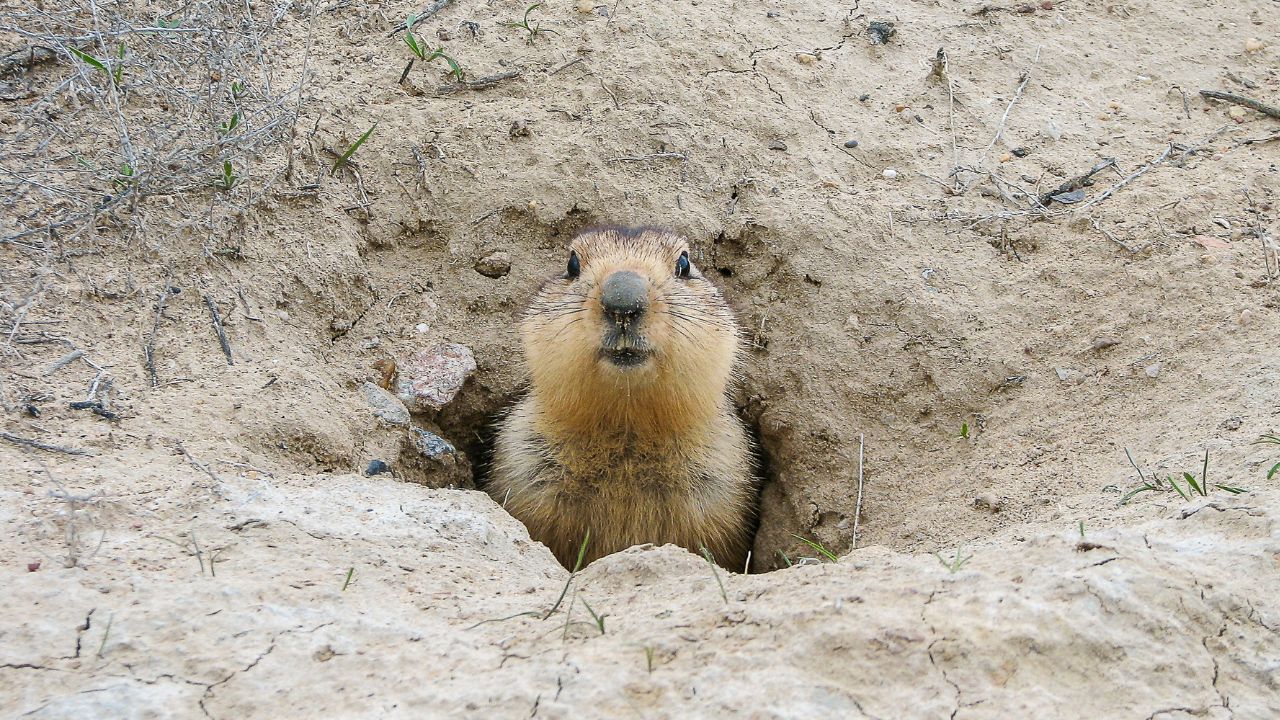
x: 625, y: 296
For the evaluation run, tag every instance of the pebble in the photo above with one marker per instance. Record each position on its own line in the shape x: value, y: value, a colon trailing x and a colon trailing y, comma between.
x: 851, y: 143
x: 1020, y: 152
x: 1006, y: 157
x: 1232, y: 423
x: 890, y: 174
x: 376, y: 467
x: 1237, y: 113
x: 777, y: 145
x: 989, y: 502
x: 1068, y: 375
x: 430, y: 445
x: 422, y: 328
x: 585, y: 6
x: 880, y: 31
x: 494, y: 265
x: 1253, y: 45
x: 1245, y: 317
x: 1153, y: 370
x: 385, y: 405
x: 431, y: 378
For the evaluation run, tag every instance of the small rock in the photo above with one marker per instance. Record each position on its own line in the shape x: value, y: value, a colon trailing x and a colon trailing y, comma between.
x: 1232, y: 423
x: 585, y: 6
x: 519, y: 129
x: 385, y: 405
x: 851, y: 143
x: 376, y: 467
x: 422, y: 328
x: 880, y: 31
x: 1103, y: 343
x: 864, y: 97
x: 1253, y: 45
x: 1237, y: 113
x: 430, y: 445
x: 432, y: 377
x: 1067, y: 375
x: 1153, y: 370
x: 805, y: 58
x: 777, y: 145
x: 988, y: 502
x: 33, y: 566
x: 890, y: 174
x: 1245, y: 317
x: 1021, y: 152
x: 772, y: 14
x: 1006, y: 157
x: 494, y: 265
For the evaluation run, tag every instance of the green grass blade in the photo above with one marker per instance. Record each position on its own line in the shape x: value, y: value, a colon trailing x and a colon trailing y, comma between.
x: 352, y: 150
x: 1192, y: 484
x: 1204, y: 473
x: 1135, y: 465
x: 1272, y: 472
x: 711, y: 562
x: 582, y: 551
x: 1233, y: 490
x: 90, y: 59
x: 816, y: 546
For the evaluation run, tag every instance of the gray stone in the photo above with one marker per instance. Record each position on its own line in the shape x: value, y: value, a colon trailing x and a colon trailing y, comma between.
x: 385, y: 405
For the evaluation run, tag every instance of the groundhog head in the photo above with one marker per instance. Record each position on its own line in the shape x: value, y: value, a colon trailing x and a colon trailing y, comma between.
x: 631, y: 314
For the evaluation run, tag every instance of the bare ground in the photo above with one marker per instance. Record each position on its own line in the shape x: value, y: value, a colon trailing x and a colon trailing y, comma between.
x: 920, y: 297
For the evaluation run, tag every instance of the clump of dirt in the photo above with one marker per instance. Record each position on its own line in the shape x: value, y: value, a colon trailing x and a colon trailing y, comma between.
x: 979, y: 265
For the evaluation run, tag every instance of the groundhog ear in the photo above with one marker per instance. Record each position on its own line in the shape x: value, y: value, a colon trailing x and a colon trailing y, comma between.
x: 575, y: 265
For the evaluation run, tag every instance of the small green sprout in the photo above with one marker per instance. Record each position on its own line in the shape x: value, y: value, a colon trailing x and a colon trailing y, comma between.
x: 1269, y: 439
x: 1194, y: 486
x: 956, y: 563
x: 648, y: 658
x: 237, y: 90
x: 227, y: 127
x: 964, y: 430
x: 346, y: 156
x: 126, y: 177
x: 228, y: 179
x: 535, y: 29
x: 420, y: 51
x: 345, y: 583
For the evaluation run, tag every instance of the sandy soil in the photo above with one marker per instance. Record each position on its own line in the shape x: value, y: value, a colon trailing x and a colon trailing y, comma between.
x: 926, y: 324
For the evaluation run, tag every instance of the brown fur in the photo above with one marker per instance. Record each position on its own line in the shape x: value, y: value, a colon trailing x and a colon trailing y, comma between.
x: 651, y: 454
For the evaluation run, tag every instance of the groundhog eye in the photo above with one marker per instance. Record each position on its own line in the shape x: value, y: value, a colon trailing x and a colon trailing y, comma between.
x: 575, y: 267
x: 682, y: 265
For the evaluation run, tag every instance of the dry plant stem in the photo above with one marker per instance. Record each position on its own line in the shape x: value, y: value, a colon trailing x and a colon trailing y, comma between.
x: 41, y: 445
x: 423, y: 14
x: 857, y: 510
x: 199, y: 465
x: 1125, y: 181
x: 217, y: 327
x: 1242, y: 100
x: 653, y: 156
x: 149, y: 352
x: 1026, y: 77
x: 477, y: 84
x: 64, y: 361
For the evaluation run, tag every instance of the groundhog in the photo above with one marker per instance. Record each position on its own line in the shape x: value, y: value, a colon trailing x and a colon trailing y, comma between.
x: 627, y: 431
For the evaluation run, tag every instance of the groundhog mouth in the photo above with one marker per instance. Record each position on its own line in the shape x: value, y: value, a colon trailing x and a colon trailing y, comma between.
x: 625, y: 357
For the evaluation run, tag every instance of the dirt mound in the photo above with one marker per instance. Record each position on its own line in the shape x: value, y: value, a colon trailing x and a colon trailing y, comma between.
x: 982, y: 264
